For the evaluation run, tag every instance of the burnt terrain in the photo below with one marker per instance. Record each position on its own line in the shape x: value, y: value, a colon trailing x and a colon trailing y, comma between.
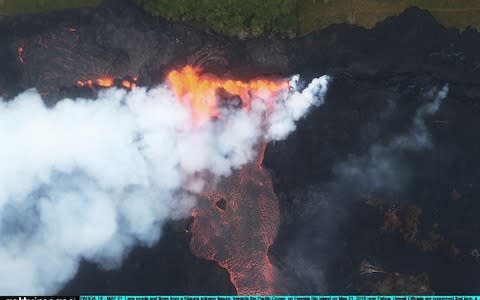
x: 419, y: 234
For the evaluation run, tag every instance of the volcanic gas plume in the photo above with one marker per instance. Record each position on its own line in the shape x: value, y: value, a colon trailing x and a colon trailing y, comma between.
x: 91, y: 178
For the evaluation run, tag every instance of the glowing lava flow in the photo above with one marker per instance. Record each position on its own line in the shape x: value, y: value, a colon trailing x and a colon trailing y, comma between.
x: 236, y: 221
x: 106, y: 82
x: 236, y: 224
x: 101, y: 81
x: 199, y: 92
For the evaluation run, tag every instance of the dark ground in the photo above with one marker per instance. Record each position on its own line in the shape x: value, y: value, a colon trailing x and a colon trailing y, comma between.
x: 422, y: 236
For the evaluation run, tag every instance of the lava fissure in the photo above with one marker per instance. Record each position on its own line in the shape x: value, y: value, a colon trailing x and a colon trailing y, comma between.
x: 200, y: 92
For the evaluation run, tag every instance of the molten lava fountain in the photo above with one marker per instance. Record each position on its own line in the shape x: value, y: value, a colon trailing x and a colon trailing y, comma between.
x: 237, y: 220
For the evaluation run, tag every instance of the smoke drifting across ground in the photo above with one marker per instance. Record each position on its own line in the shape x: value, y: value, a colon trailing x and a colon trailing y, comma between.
x: 89, y: 179
x: 382, y: 170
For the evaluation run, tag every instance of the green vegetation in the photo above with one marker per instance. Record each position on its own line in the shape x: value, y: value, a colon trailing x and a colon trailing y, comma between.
x: 249, y: 18
x: 233, y: 17
x: 17, y: 7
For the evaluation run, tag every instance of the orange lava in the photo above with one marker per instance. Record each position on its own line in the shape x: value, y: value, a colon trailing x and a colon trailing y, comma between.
x: 239, y: 236
x: 128, y: 85
x: 82, y: 83
x: 199, y: 91
x: 235, y: 222
x: 107, y: 81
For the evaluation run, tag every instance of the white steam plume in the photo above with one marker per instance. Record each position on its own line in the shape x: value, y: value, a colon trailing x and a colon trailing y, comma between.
x: 90, y: 179
x: 282, y: 121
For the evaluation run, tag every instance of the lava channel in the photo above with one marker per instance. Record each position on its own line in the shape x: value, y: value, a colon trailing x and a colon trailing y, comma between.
x: 237, y: 220
x: 236, y: 223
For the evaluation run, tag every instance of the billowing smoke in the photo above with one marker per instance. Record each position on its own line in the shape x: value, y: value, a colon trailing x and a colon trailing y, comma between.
x: 382, y: 170
x: 90, y: 179
x: 282, y: 121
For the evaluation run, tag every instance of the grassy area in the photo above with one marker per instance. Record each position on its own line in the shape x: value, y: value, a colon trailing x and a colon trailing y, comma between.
x: 450, y: 13
x: 17, y: 7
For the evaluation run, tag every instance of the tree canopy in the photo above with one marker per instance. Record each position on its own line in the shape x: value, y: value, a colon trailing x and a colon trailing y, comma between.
x: 250, y: 18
